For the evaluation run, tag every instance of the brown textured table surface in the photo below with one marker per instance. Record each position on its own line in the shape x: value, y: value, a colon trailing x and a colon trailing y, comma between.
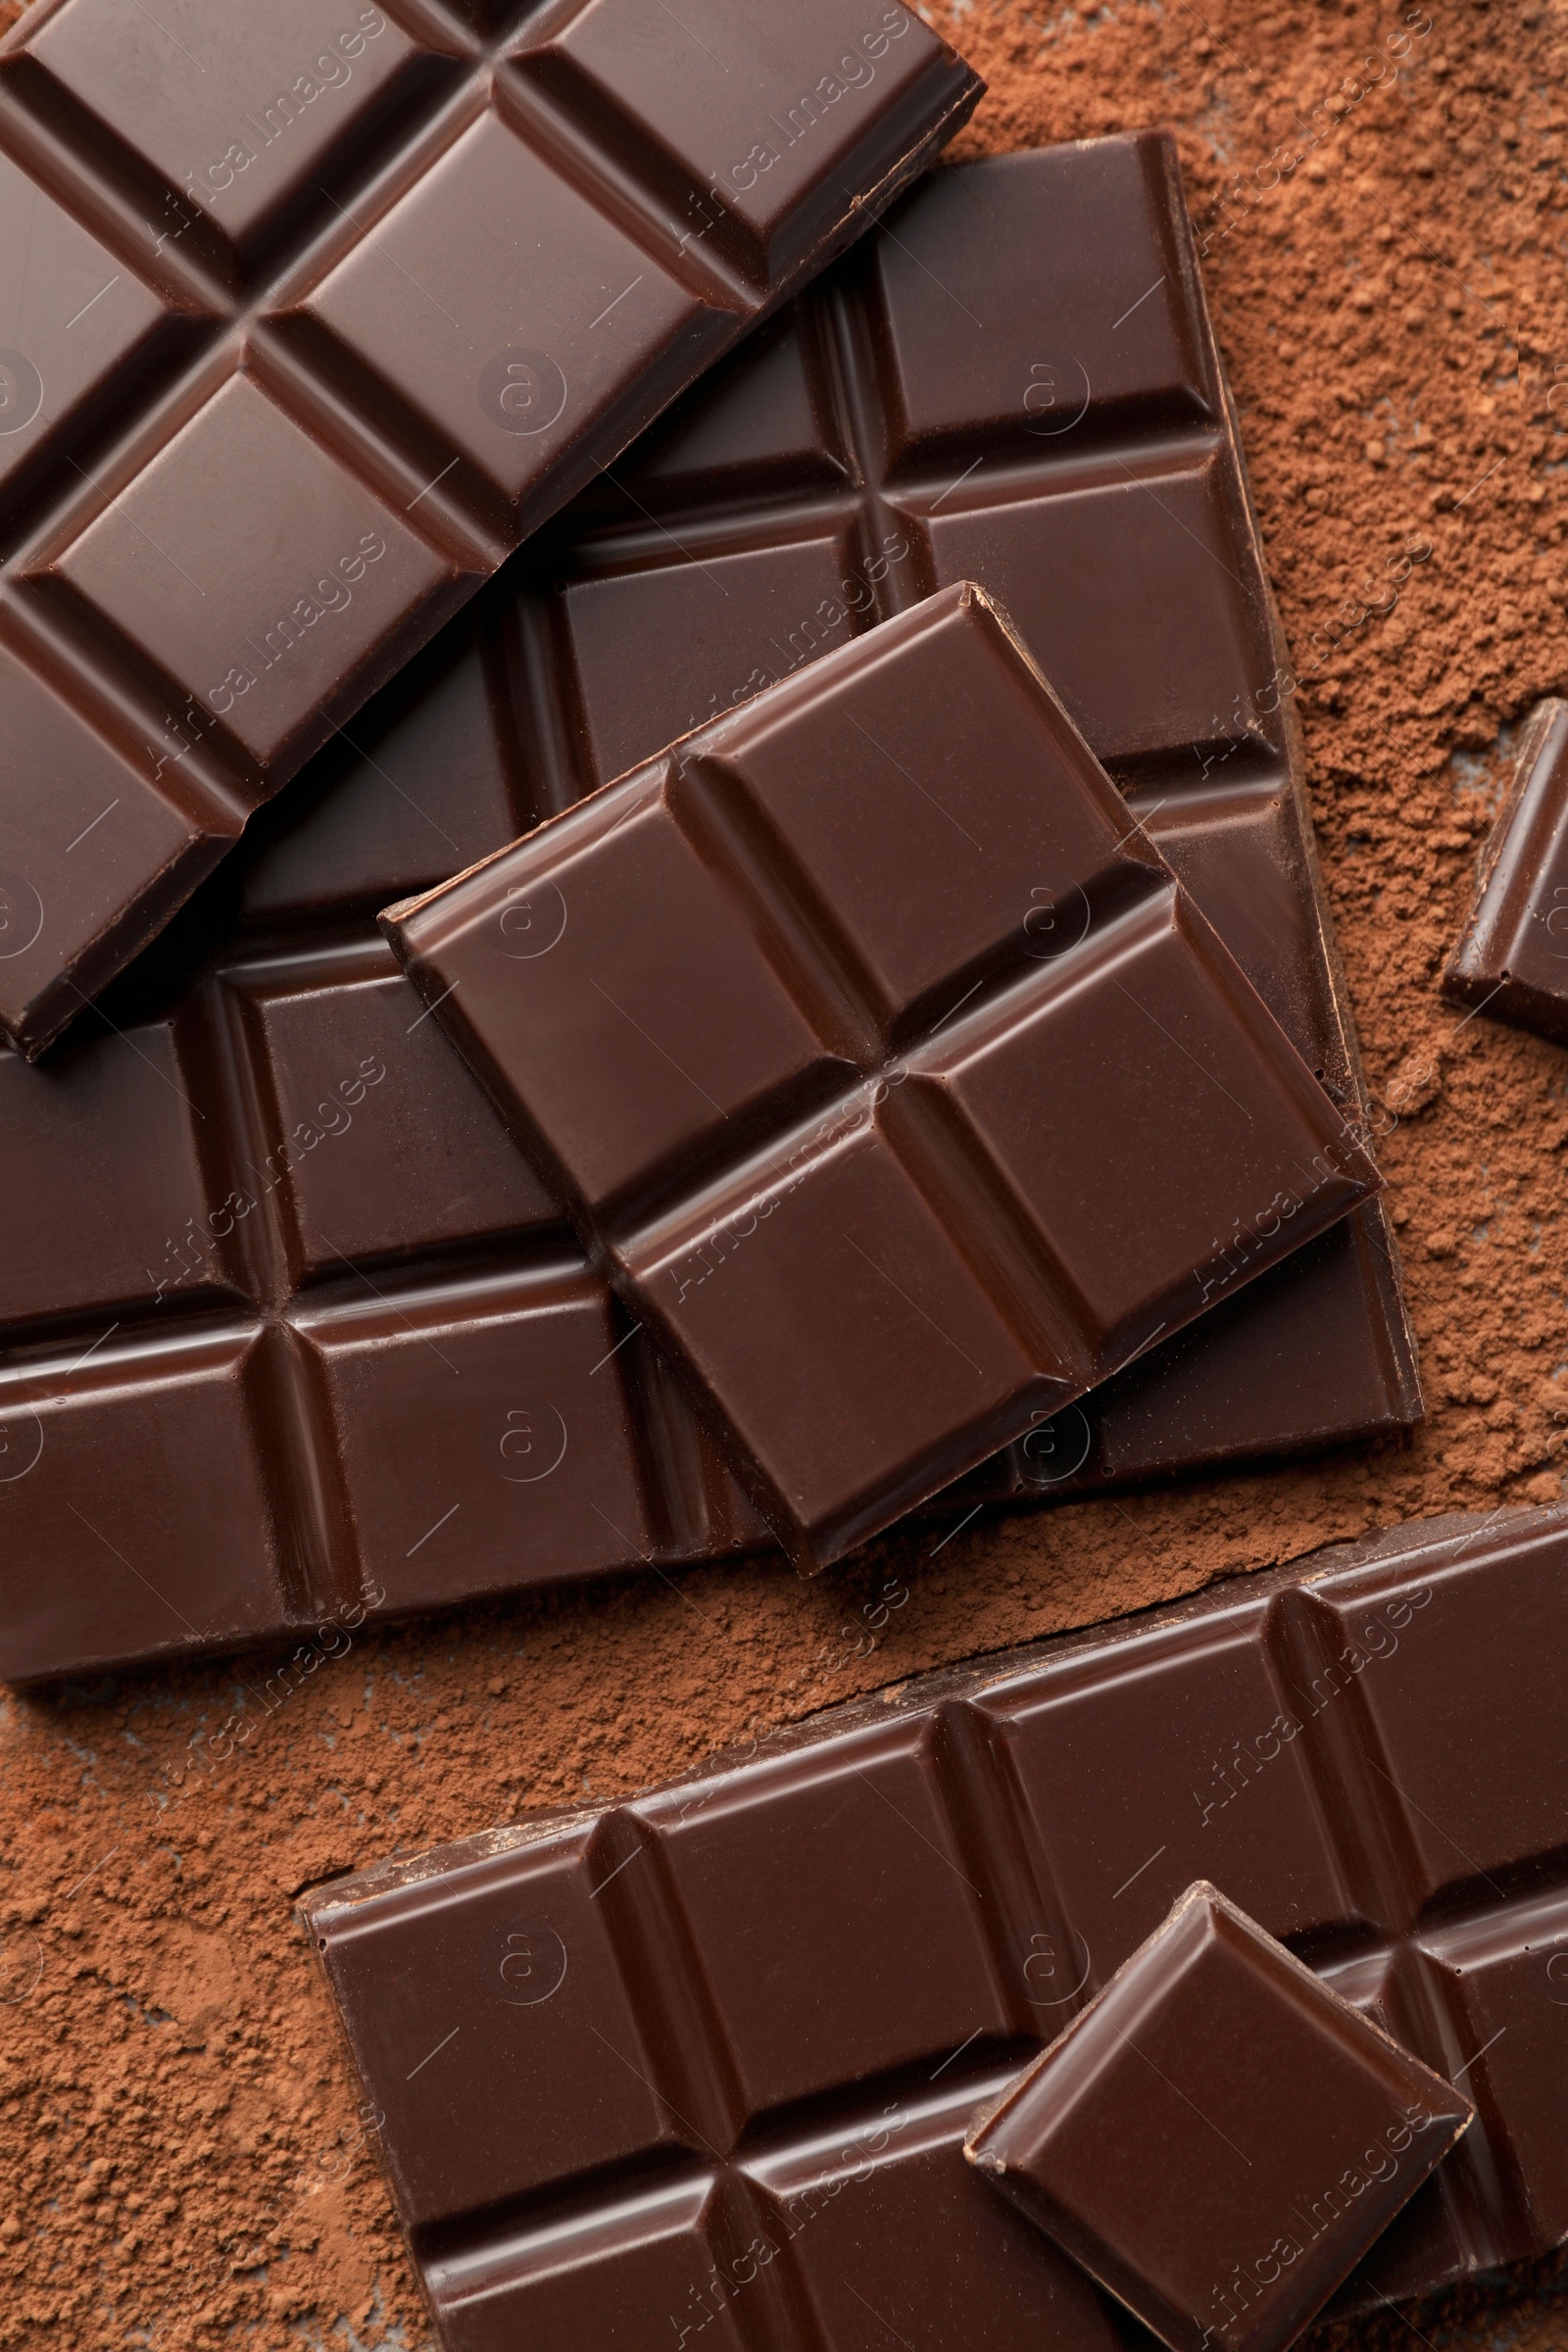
x: 166, y: 2056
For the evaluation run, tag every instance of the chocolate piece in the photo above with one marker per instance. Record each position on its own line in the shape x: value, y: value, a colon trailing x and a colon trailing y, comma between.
x: 1219, y: 2137
x: 314, y: 326
x: 890, y: 1076
x: 889, y: 435
x: 1511, y: 961
x: 607, y: 2048
x: 122, y: 1153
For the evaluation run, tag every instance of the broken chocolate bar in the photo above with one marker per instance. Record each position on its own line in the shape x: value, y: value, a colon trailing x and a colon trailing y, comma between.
x: 710, y: 2054
x: 893, y: 1081
x: 310, y: 326
x: 1219, y: 2137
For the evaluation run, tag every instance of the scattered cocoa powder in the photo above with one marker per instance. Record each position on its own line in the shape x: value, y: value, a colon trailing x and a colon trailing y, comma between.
x: 184, y: 2156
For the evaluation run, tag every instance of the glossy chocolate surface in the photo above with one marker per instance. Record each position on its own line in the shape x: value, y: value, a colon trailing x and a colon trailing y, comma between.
x: 1219, y: 2137
x: 314, y: 322
x: 893, y: 1080
x: 1512, y: 958
x: 1017, y: 384
x: 611, y: 2050
x: 177, y: 1183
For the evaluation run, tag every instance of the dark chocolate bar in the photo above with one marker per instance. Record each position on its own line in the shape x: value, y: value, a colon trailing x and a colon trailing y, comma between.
x: 1018, y: 384
x: 1219, y: 2137
x: 892, y: 1079
x: 314, y: 321
x: 705, y: 2059
x: 1511, y: 960
x: 213, y: 1229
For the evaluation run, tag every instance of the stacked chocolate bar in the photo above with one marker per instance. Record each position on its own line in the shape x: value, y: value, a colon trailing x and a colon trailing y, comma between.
x: 268, y: 1215
x: 807, y: 1000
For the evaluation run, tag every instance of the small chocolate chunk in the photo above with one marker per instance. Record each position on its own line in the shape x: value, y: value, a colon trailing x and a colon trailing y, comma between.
x: 1511, y: 961
x: 1218, y: 2137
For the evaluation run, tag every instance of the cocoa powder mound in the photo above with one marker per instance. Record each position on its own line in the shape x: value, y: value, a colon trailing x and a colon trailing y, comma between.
x: 184, y: 2156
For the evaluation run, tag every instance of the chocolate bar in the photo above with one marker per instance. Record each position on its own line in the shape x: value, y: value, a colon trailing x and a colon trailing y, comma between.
x: 892, y: 1080
x: 188, y: 1166
x: 314, y: 324
x: 706, y: 2059
x: 910, y: 425
x: 1511, y: 960
x: 1218, y: 2137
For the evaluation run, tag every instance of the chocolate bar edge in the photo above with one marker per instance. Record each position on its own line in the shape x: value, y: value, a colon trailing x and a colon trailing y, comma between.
x: 1405, y: 1362
x: 1402, y: 1543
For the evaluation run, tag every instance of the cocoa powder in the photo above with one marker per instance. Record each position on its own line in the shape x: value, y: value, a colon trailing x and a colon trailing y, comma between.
x: 185, y: 2158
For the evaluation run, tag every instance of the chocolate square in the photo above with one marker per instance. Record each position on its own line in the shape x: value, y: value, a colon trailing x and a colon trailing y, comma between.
x: 1218, y: 2139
